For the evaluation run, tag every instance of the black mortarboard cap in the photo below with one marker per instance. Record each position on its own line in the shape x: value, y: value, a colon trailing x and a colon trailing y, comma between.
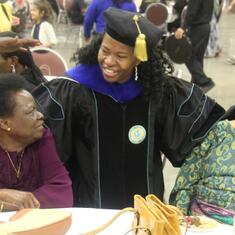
x: 132, y: 29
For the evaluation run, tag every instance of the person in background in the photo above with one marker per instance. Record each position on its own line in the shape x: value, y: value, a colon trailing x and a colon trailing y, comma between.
x: 230, y: 7
x: 177, y: 10
x: 7, y: 20
x: 42, y: 16
x: 94, y: 14
x: 205, y: 184
x: 214, y: 45
x: 77, y: 11
x: 54, y: 6
x: 32, y: 175
x: 20, y: 62
x: 197, y: 28
x: 122, y: 109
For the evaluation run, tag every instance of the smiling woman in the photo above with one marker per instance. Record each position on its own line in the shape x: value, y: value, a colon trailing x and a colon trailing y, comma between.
x: 126, y: 109
x: 33, y: 175
x: 116, y: 60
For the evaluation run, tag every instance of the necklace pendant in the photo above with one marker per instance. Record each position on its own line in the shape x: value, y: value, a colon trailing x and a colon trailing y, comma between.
x: 18, y: 168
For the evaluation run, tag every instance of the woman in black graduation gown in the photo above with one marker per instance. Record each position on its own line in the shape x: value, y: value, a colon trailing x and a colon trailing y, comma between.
x: 111, y: 127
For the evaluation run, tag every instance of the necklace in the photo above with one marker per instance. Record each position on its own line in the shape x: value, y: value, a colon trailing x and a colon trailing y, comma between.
x: 18, y: 168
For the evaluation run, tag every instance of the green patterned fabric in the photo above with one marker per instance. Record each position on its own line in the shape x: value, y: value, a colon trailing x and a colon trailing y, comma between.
x: 208, y: 173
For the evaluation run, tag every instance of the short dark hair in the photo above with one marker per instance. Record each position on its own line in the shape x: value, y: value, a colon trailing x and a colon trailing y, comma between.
x: 10, y: 84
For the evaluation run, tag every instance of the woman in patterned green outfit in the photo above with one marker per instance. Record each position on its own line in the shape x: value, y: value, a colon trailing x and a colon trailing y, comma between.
x: 206, y: 181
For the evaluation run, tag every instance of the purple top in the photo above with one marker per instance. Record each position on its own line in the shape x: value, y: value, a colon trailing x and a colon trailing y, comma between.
x: 42, y: 173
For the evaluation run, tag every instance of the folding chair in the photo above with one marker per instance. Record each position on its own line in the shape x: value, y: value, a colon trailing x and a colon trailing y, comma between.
x: 62, y: 11
x: 50, y: 62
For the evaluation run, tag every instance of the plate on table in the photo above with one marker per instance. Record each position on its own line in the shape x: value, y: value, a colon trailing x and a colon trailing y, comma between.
x: 199, y: 224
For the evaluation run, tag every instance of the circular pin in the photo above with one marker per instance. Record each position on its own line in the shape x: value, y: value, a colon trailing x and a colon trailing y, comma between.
x: 137, y: 134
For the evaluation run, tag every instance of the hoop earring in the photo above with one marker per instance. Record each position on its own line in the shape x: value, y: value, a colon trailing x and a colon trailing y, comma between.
x: 13, y: 68
x: 136, y: 73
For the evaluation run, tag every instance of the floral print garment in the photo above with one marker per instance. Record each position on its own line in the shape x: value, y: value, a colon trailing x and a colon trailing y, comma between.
x: 208, y: 173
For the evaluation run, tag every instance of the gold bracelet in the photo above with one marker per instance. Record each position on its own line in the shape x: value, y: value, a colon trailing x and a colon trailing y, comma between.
x: 1, y: 207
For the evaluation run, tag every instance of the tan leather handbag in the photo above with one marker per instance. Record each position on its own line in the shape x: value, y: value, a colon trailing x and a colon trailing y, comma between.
x: 37, y: 222
x: 169, y: 214
x: 151, y: 217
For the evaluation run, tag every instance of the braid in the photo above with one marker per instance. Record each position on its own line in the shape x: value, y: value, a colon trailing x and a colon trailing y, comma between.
x: 154, y: 74
x: 26, y: 59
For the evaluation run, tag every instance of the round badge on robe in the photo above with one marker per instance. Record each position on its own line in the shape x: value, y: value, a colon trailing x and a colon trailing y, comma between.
x: 137, y: 134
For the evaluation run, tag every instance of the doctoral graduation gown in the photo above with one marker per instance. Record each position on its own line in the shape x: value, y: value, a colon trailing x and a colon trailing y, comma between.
x: 42, y: 173
x: 111, y: 145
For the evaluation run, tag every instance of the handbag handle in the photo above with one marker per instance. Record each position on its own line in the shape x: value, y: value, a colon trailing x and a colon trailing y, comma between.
x: 107, y: 224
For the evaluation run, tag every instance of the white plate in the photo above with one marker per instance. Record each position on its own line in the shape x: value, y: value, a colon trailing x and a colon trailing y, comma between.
x: 207, y: 225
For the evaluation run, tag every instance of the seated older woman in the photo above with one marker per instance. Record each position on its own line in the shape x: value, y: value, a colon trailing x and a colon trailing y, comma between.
x: 31, y: 174
x: 20, y: 62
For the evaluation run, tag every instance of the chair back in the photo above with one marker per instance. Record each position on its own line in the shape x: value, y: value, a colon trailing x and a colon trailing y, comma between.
x: 157, y: 13
x: 50, y: 62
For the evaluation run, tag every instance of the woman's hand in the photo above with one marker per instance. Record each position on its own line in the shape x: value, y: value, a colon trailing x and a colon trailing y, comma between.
x: 179, y: 33
x: 8, y: 44
x: 87, y: 40
x: 16, y: 200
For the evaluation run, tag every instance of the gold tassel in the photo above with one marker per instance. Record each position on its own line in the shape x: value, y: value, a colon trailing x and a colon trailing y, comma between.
x: 140, y: 50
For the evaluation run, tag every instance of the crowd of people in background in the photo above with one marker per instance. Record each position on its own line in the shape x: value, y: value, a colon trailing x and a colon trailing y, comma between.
x: 73, y: 142
x: 41, y: 18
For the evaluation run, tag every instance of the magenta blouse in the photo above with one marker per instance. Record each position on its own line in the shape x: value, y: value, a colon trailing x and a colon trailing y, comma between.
x: 42, y: 173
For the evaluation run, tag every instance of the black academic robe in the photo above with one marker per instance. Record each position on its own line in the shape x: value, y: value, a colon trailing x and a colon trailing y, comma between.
x: 92, y: 133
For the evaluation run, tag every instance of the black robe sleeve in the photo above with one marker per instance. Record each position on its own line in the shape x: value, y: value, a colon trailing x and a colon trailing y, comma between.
x: 230, y: 113
x: 188, y: 114
x: 69, y: 113
x: 59, y: 101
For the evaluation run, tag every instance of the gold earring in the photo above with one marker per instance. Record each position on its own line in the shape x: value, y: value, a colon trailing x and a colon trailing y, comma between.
x: 8, y: 129
x: 13, y: 68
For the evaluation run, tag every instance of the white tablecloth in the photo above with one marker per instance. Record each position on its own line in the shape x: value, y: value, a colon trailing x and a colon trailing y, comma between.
x: 85, y: 220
